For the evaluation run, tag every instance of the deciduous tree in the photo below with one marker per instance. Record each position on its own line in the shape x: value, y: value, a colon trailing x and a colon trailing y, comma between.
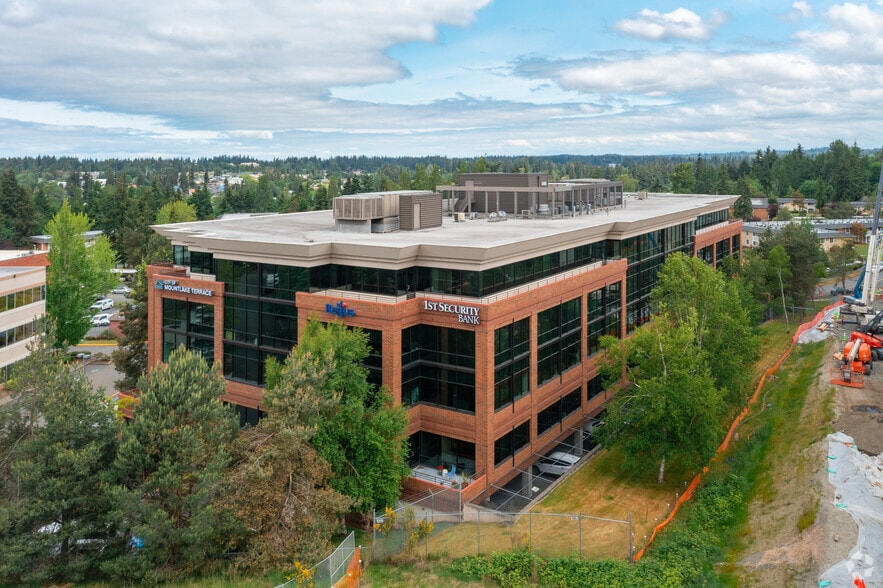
x: 841, y: 259
x: 724, y: 330
x: 666, y: 407
x: 807, y: 259
x: 682, y: 179
x: 76, y: 274
x: 279, y: 487
x: 363, y: 438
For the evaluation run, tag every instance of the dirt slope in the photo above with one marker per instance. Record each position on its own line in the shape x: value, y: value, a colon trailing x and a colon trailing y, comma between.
x: 797, y: 488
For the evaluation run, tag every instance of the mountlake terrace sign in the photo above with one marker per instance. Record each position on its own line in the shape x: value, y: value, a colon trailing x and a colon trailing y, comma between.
x: 174, y: 286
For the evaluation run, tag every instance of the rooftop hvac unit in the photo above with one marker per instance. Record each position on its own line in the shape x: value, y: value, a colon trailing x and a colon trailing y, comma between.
x: 459, y: 217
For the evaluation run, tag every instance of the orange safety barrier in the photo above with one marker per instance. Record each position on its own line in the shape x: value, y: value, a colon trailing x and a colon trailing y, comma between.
x: 688, y: 493
x: 353, y: 571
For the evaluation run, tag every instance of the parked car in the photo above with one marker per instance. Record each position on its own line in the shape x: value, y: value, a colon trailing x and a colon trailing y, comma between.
x: 103, y: 304
x: 101, y: 320
x: 556, y: 463
x: 121, y: 290
x: 589, y: 441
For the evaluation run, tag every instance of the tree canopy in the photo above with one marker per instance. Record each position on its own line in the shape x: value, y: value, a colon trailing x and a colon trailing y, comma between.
x: 57, y: 439
x: 725, y: 331
x: 76, y: 274
x: 363, y: 434
x: 169, y: 469
x: 674, y: 376
x: 667, y: 406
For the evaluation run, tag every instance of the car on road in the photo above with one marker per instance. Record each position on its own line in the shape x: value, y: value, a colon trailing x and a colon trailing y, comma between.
x: 101, y: 320
x: 121, y: 290
x: 556, y: 463
x: 837, y: 290
x: 103, y: 304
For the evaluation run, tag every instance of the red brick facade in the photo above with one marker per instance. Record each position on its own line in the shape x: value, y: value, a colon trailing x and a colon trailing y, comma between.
x: 391, y: 315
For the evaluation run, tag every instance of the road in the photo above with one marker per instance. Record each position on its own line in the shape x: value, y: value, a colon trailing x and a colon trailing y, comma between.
x: 100, y: 371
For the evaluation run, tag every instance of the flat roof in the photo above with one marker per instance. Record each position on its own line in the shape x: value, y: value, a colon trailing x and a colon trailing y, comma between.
x: 309, y: 238
x: 15, y: 270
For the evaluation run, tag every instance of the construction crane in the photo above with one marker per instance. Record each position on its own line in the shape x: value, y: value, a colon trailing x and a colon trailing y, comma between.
x: 866, y: 286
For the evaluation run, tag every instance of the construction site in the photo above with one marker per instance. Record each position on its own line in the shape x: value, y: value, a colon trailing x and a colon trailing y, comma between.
x: 853, y: 464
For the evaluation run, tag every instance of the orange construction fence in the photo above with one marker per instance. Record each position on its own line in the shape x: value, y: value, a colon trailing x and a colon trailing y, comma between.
x: 353, y: 571
x: 694, y: 483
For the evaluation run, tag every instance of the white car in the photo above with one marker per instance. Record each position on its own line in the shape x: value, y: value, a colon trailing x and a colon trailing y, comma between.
x: 103, y: 304
x: 121, y: 290
x: 556, y: 463
x: 101, y: 320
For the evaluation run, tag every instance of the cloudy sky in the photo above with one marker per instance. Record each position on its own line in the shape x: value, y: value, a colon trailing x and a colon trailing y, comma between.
x: 274, y: 78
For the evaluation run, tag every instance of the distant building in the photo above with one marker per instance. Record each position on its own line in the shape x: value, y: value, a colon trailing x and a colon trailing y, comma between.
x: 22, y: 305
x: 831, y: 232
x: 42, y: 242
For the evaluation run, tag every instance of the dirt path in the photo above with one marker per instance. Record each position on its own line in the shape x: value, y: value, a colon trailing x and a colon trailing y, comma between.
x: 797, y: 490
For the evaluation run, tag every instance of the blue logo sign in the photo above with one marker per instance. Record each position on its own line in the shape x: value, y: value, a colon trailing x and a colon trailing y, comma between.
x: 160, y: 285
x: 340, y: 309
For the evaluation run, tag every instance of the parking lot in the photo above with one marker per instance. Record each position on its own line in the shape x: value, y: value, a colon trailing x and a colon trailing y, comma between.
x: 119, y: 300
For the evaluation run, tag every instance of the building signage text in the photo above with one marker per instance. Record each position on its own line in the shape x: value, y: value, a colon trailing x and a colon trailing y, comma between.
x: 340, y: 309
x: 174, y: 286
x: 465, y: 314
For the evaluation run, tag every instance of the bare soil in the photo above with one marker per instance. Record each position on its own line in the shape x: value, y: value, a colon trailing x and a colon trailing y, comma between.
x: 796, y: 487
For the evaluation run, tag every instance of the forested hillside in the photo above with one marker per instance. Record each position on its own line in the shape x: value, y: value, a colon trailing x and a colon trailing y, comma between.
x: 123, y: 197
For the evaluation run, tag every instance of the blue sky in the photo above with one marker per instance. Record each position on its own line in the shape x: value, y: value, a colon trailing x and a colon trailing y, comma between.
x: 278, y: 78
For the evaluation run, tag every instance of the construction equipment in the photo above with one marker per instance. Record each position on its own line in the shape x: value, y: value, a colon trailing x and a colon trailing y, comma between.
x: 873, y: 325
x: 874, y: 343
x: 863, y: 295
x: 856, y: 361
x: 844, y: 376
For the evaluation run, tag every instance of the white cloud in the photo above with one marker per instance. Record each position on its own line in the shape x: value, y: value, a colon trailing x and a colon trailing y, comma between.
x: 800, y: 11
x: 803, y: 8
x: 285, y: 77
x: 19, y: 14
x: 855, y: 35
x: 679, y: 73
x: 679, y: 24
x: 253, y: 66
x: 65, y: 115
x: 265, y: 135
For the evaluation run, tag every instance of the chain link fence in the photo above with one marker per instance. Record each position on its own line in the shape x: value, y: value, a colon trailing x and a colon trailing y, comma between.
x: 330, y: 570
x: 478, y: 531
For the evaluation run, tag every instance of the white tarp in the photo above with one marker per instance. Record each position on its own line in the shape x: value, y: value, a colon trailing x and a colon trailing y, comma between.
x: 858, y: 489
x: 831, y: 316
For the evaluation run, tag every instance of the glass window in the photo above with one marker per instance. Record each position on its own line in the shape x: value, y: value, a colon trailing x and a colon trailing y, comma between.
x: 558, y: 339
x: 202, y: 262
x: 202, y: 319
x: 438, y: 367
x: 594, y: 387
x: 509, y: 444
x: 174, y: 314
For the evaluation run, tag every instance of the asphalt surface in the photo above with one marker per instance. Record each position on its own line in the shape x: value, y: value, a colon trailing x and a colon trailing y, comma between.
x: 98, y: 367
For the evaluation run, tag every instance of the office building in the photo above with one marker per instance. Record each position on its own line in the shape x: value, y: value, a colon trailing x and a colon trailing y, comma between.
x: 484, y: 302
